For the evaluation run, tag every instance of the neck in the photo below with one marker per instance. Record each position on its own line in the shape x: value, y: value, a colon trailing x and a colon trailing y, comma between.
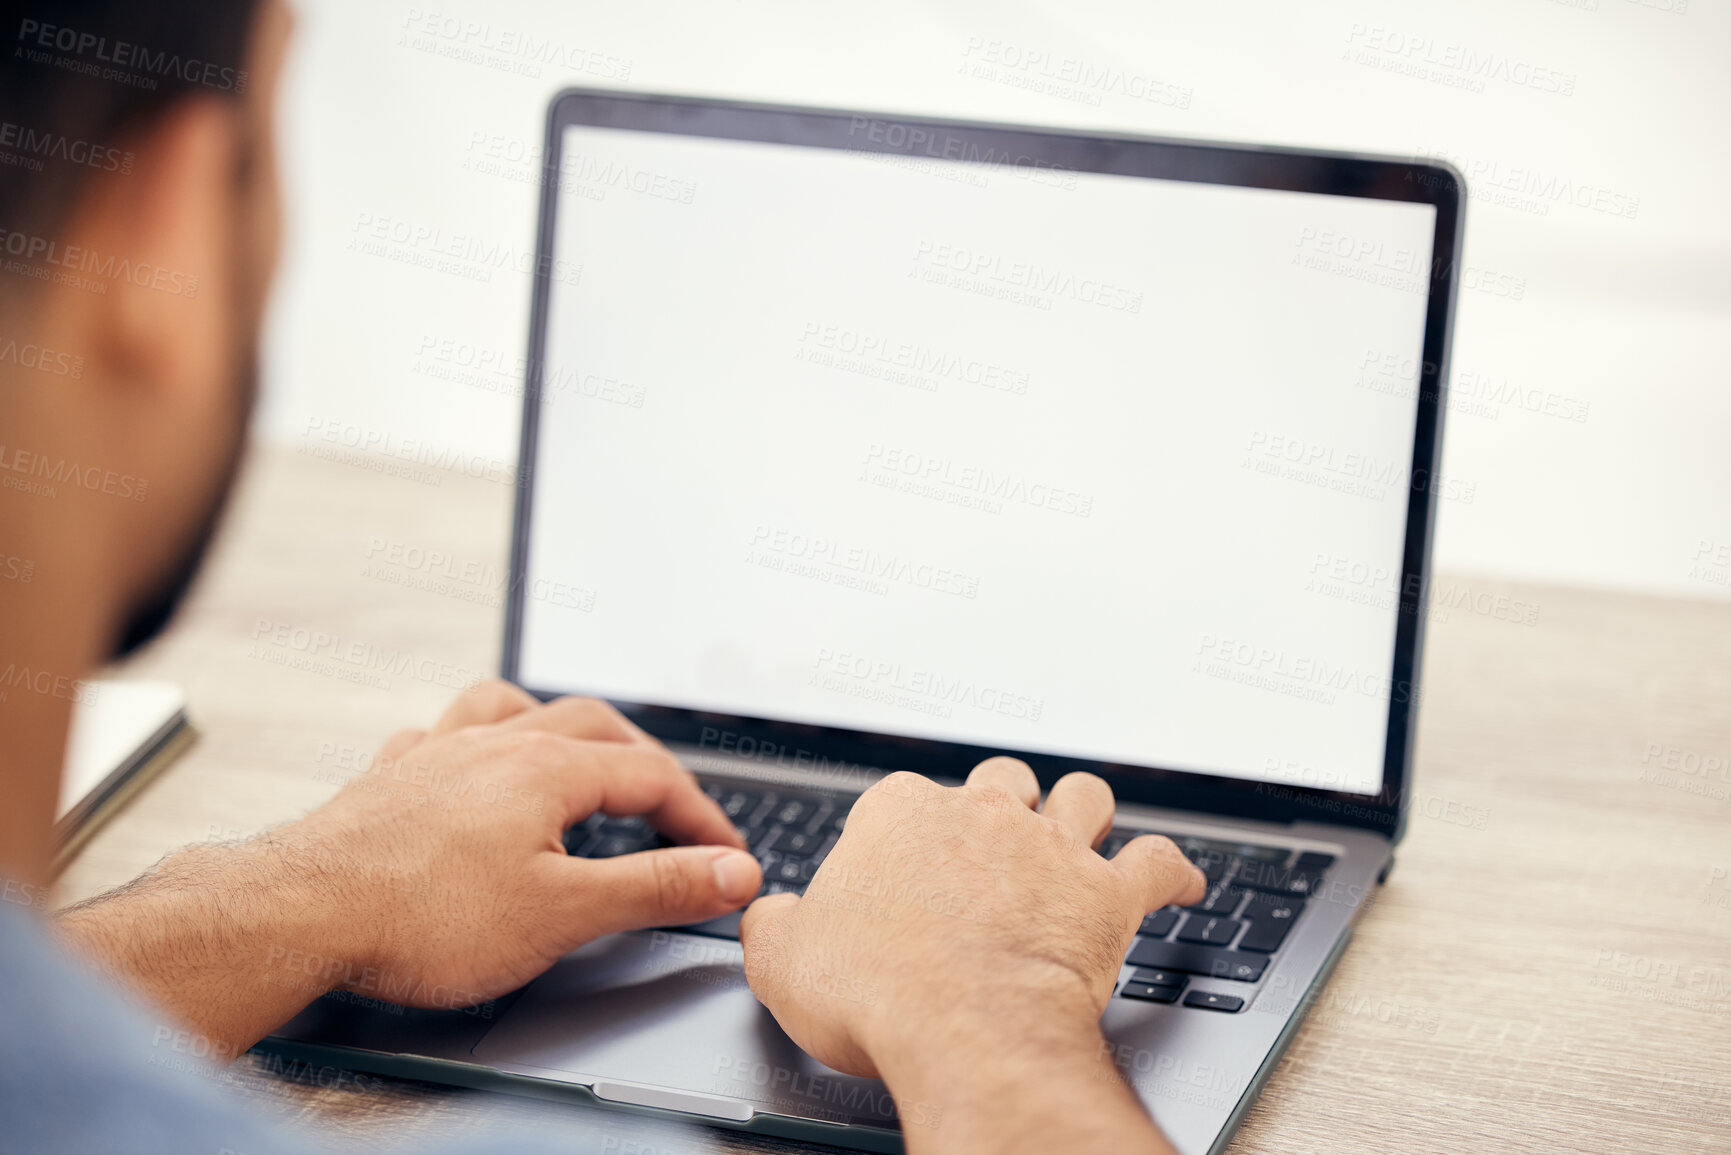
x: 58, y: 614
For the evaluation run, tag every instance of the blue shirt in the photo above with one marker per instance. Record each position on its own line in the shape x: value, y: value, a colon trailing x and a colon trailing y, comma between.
x: 84, y: 1069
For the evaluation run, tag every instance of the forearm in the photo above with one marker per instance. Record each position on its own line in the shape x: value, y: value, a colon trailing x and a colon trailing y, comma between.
x: 230, y: 940
x: 1038, y: 1084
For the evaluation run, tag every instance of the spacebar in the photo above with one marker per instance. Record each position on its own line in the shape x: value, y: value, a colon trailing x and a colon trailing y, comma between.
x: 724, y: 926
x: 1198, y: 960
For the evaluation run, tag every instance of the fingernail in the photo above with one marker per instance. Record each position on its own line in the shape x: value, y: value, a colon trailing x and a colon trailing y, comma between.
x: 735, y: 876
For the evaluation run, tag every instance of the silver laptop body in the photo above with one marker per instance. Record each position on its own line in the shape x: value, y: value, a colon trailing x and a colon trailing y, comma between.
x: 859, y: 443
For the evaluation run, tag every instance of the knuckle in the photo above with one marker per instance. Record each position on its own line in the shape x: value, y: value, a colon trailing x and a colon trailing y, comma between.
x: 901, y: 784
x: 594, y: 715
x: 996, y: 798
x: 582, y: 707
x: 1059, y: 836
x: 497, y: 691
x: 1161, y: 847
x: 532, y: 747
x: 672, y: 883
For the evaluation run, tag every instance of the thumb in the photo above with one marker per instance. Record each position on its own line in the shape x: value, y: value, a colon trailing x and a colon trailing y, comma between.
x: 761, y: 937
x: 757, y: 928
x: 668, y: 887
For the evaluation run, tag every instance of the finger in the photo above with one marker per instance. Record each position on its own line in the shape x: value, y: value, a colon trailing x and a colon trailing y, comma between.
x: 1010, y: 773
x: 638, y: 733
x: 491, y: 701
x: 765, y: 934
x: 588, y: 718
x: 623, y: 778
x: 1082, y: 804
x: 1159, y: 874
x: 671, y: 887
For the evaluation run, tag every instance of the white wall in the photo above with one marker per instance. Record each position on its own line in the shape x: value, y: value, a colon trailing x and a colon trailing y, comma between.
x: 1623, y: 306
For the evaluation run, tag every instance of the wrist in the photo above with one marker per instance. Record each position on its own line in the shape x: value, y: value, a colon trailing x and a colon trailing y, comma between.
x: 311, y: 934
x: 231, y: 941
x: 970, y: 1056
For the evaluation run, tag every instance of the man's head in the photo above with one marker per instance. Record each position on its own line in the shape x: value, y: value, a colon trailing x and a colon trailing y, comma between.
x: 139, y: 226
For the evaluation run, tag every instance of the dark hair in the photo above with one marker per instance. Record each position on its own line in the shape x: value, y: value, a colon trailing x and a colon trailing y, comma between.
x: 81, y: 75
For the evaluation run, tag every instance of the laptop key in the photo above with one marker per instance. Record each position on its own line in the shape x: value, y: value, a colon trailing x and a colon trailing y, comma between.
x: 1223, y: 861
x: 1149, y: 993
x: 1270, y: 917
x: 790, y: 841
x: 758, y: 816
x: 614, y: 845
x: 793, y: 871
x: 1160, y: 923
x: 1239, y: 966
x: 1213, y: 1001
x: 1222, y: 898
x: 1307, y: 872
x: 1270, y: 877
x: 1301, y: 878
x: 1273, y: 907
x: 1157, y: 978
x: 793, y: 811
x: 1208, y: 929
x: 820, y: 816
x: 1265, y: 936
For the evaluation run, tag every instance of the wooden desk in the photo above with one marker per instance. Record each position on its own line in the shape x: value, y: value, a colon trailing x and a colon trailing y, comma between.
x: 1548, y: 969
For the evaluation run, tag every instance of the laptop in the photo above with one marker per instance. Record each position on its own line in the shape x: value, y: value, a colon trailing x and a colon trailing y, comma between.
x: 857, y: 443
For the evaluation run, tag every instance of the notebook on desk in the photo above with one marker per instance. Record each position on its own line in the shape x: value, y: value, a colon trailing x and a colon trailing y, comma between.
x: 123, y: 734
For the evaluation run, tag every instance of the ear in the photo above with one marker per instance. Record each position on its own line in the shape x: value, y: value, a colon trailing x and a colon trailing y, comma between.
x: 154, y: 247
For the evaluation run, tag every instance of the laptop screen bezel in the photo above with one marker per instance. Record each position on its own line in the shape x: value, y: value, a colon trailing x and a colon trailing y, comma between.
x: 1420, y: 181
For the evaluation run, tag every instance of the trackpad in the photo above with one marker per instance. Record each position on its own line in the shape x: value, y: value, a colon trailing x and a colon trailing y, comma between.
x: 668, y: 1010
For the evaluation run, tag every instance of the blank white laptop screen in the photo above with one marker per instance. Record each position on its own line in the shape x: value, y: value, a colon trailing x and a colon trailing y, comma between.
x: 1056, y: 462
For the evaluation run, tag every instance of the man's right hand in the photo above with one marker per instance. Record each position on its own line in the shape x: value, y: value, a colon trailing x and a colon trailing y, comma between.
x: 962, y: 947
x: 438, y: 877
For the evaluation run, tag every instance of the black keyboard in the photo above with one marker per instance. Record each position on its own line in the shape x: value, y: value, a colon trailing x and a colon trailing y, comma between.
x: 789, y: 830
x: 1255, y: 893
